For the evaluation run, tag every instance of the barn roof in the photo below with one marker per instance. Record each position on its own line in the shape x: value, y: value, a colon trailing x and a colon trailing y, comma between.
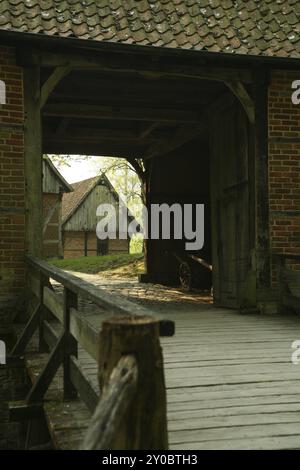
x: 72, y: 201
x: 261, y: 28
x: 66, y: 187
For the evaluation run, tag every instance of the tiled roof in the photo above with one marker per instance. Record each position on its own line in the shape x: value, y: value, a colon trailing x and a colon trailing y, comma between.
x: 269, y: 28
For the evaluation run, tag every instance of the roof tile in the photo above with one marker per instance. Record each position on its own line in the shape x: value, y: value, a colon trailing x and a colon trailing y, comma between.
x: 271, y: 27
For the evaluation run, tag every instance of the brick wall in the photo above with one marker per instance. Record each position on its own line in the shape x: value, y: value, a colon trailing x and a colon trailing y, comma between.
x: 12, y: 190
x: 74, y: 245
x: 284, y: 167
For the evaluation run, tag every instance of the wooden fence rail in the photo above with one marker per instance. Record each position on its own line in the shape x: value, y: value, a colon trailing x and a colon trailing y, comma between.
x: 76, y: 331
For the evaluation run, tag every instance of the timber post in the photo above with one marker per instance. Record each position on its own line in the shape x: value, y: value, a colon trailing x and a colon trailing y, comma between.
x: 44, y: 281
x: 263, y: 263
x: 70, y: 300
x: 130, y: 344
x: 33, y: 161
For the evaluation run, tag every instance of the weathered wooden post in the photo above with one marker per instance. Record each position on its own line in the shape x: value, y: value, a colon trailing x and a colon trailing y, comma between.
x: 70, y: 347
x: 143, y: 424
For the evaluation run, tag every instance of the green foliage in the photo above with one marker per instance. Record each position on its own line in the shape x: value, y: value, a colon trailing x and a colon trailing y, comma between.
x: 96, y: 264
x: 125, y: 181
x: 137, y: 244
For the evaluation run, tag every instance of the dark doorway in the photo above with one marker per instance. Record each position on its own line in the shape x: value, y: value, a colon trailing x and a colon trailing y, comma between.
x: 102, y: 247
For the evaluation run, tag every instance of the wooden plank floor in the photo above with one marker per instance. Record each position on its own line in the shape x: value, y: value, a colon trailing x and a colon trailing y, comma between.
x: 230, y: 381
x: 229, y: 377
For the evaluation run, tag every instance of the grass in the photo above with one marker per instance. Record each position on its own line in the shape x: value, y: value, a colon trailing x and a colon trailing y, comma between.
x: 123, y: 264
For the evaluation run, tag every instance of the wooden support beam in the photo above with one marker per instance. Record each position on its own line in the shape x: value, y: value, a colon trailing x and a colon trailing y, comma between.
x: 100, y: 149
x: 57, y: 75
x: 239, y: 90
x: 45, y: 378
x: 112, y: 303
x: 28, y: 332
x: 147, y: 130
x: 71, y: 348
x: 125, y: 64
x: 82, y: 383
x: 81, y: 133
x: 50, y: 214
x: 33, y: 161
x: 85, y: 387
x: 263, y: 264
x: 88, y: 111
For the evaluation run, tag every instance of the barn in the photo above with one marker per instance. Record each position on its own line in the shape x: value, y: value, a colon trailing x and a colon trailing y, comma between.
x: 79, y: 219
x: 54, y: 186
x: 201, y: 91
x: 202, y: 99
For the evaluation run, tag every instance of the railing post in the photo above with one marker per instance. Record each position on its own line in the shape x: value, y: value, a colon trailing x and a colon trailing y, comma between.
x: 44, y: 281
x: 144, y: 426
x: 71, y: 347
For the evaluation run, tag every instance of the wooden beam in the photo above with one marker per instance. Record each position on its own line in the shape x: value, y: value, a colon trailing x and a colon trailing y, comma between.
x: 80, y: 328
x: 50, y: 214
x: 119, y: 64
x: 112, y: 303
x: 263, y: 264
x: 239, y: 90
x: 33, y: 161
x: 88, y: 111
x: 100, y: 149
x: 57, y: 75
x: 28, y: 332
x: 85, y: 387
x: 70, y: 300
x: 45, y: 378
x: 147, y: 130
x: 83, y: 133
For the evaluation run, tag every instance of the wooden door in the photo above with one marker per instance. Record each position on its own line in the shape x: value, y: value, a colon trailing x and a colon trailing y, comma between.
x: 233, y: 225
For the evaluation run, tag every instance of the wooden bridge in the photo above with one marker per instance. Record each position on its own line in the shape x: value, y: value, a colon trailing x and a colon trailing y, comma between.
x: 230, y: 381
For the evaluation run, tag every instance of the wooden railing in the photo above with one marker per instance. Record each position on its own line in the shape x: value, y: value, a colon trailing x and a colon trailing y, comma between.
x: 131, y: 413
x: 124, y: 375
x: 288, y: 280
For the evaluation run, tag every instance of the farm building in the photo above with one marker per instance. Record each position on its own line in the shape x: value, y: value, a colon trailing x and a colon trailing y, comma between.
x: 203, y: 95
x: 197, y: 96
x: 54, y: 186
x: 79, y: 219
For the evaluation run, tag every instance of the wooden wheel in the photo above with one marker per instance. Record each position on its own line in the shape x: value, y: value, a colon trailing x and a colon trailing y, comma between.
x: 185, y: 276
